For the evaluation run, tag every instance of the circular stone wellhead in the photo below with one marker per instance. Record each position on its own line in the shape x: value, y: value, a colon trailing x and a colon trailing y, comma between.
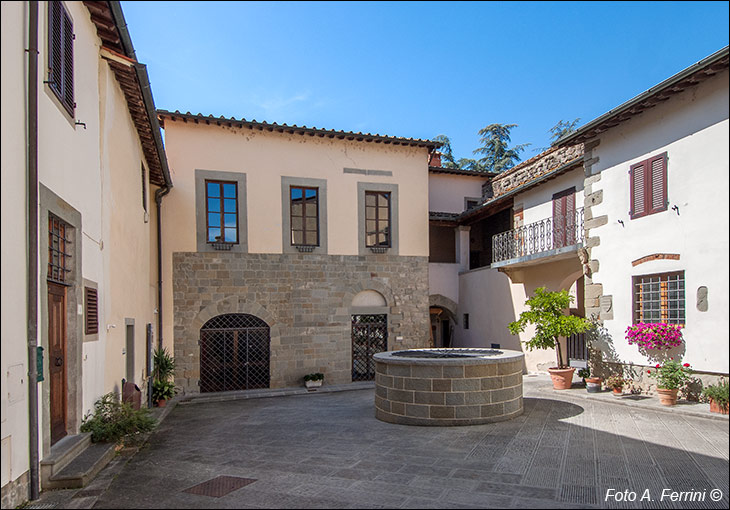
x: 447, y: 387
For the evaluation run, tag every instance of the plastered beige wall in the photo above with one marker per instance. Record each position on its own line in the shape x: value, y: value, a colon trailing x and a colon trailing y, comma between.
x: 265, y: 157
x: 96, y: 170
x: 446, y: 192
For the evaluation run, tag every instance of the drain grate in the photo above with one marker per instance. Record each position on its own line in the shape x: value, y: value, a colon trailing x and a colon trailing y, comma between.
x: 219, y: 486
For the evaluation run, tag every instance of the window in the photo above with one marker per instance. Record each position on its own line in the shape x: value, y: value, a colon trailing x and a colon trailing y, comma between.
x: 61, y: 55
x: 471, y: 203
x: 58, y: 244
x: 304, y: 210
x: 649, y: 186
x: 659, y: 298
x: 221, y: 208
x: 564, y: 223
x: 466, y: 321
x: 377, y: 219
x: 91, y: 306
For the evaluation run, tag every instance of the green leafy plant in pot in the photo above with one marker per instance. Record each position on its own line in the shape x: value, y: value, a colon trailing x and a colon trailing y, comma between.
x: 546, y: 312
x: 616, y: 383
x: 313, y: 380
x: 671, y: 376
x: 163, y: 389
x: 717, y: 394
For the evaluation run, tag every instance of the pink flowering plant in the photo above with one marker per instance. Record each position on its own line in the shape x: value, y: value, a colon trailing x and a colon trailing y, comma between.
x: 656, y: 336
x: 672, y: 375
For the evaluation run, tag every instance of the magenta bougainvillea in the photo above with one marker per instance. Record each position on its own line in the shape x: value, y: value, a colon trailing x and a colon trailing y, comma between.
x: 654, y: 336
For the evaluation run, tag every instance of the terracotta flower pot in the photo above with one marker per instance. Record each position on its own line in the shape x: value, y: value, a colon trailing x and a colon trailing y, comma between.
x: 618, y: 391
x: 161, y: 403
x: 593, y: 384
x: 667, y: 397
x: 562, y: 377
x: 715, y: 407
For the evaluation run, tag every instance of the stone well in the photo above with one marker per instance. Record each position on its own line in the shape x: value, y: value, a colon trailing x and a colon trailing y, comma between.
x: 447, y: 387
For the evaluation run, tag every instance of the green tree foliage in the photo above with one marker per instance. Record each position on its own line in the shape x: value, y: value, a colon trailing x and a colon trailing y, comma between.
x: 546, y: 313
x: 562, y: 128
x: 497, y: 155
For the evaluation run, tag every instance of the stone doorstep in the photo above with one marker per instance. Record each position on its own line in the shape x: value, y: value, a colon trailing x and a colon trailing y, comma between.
x: 82, y: 469
x: 649, y: 402
x: 62, y: 453
x: 197, y: 398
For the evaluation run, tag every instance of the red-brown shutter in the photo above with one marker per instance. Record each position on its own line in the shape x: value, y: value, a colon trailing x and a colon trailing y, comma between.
x: 61, y: 55
x: 658, y: 168
x: 91, y: 302
x: 638, y: 190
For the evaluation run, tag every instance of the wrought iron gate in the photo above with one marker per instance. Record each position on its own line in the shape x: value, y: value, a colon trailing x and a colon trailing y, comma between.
x: 369, y: 336
x: 234, y: 353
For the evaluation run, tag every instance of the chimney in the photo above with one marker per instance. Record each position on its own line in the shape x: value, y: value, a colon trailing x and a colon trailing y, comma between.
x: 435, y: 159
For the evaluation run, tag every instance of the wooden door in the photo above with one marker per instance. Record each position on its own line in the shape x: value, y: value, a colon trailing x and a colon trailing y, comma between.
x: 57, y: 358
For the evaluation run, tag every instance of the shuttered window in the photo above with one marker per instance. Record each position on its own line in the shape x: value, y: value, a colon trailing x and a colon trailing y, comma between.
x: 564, y: 223
x: 61, y: 55
x: 649, y: 186
x: 91, y: 305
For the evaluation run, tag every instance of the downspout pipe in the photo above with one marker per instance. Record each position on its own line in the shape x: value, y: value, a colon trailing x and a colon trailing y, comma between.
x: 32, y: 187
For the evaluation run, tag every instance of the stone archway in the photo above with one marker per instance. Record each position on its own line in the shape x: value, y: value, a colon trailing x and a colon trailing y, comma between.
x: 443, y: 319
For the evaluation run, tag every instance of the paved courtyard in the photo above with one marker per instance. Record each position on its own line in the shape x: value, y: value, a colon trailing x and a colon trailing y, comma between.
x: 328, y: 451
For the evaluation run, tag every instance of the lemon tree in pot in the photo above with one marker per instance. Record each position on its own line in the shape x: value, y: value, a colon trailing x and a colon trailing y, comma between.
x: 546, y: 312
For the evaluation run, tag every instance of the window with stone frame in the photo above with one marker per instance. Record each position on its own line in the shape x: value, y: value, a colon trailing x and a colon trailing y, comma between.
x: 377, y: 219
x: 304, y: 215
x: 221, y: 211
x: 659, y: 297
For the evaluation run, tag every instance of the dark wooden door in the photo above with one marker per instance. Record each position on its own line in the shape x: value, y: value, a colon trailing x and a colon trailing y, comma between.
x: 564, y: 218
x: 57, y: 358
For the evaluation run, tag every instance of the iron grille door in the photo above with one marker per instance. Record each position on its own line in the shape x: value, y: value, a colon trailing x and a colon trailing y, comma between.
x: 234, y: 353
x: 369, y: 336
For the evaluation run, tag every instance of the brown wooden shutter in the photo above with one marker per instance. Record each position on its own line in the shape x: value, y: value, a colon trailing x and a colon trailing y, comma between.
x: 91, y: 301
x: 658, y: 167
x: 68, y: 63
x: 638, y: 190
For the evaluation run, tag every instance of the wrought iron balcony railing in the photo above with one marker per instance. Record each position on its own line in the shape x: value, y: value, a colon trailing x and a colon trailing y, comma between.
x: 541, y: 236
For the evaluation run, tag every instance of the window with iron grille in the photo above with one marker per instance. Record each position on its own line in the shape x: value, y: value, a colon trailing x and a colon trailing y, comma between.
x: 659, y: 298
x: 377, y: 219
x: 58, y: 251
x: 91, y: 309
x: 221, y: 211
x: 61, y: 55
x: 649, y: 186
x: 304, y: 209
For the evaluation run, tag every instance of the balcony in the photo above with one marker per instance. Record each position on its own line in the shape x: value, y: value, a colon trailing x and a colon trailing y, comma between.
x: 550, y: 238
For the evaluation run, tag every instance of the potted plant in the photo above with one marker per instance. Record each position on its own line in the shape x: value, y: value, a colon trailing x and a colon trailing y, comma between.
x: 717, y: 394
x: 670, y: 377
x: 547, y: 314
x: 616, y: 383
x: 313, y: 380
x: 593, y: 384
x: 654, y: 336
x: 584, y: 373
x: 163, y: 389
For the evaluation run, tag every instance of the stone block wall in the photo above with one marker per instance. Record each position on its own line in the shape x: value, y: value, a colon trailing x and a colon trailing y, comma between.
x: 305, y: 299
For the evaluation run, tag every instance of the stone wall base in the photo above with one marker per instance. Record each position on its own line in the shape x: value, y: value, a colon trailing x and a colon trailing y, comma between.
x: 15, y: 493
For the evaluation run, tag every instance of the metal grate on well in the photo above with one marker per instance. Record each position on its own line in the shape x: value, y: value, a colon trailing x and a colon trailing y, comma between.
x: 234, y: 353
x: 219, y: 486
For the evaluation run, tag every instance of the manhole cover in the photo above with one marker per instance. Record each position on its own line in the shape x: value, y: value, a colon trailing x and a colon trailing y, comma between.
x: 219, y: 486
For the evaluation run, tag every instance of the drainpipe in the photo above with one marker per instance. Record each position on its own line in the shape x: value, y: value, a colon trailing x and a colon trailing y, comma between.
x: 32, y: 173
x: 159, y: 193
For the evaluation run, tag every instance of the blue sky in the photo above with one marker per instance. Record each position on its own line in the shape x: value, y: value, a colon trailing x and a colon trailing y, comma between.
x: 418, y: 69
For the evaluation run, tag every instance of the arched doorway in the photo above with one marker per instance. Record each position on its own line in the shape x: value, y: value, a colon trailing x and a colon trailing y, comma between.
x: 369, y: 332
x: 234, y: 353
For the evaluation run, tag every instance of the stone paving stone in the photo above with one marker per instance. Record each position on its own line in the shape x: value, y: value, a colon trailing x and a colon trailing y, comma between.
x: 328, y: 450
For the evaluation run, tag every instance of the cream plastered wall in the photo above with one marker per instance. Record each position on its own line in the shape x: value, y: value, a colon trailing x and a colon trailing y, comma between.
x: 537, y: 203
x: 692, y: 128
x: 446, y: 192
x: 96, y: 170
x: 13, y: 313
x: 265, y: 157
x: 443, y: 279
x: 130, y: 254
